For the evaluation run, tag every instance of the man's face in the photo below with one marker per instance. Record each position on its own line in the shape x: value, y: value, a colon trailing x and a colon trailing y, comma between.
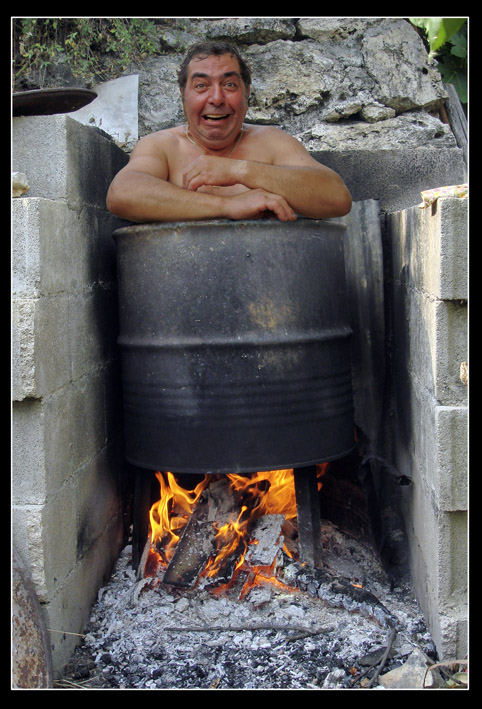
x: 215, y: 100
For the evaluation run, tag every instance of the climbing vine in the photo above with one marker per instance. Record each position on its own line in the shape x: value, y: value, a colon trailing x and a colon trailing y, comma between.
x: 94, y: 49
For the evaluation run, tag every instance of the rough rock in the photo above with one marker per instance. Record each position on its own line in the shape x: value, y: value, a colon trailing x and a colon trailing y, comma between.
x: 408, y: 130
x: 335, y: 83
x: 410, y: 675
x: 394, y: 56
x: 20, y: 184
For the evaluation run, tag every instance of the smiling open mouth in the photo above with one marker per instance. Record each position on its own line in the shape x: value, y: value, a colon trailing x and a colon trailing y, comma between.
x: 215, y: 116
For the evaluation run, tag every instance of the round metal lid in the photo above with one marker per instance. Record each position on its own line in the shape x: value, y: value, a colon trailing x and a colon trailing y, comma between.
x: 44, y: 102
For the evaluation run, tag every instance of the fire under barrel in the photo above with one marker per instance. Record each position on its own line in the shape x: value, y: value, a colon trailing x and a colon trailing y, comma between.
x: 235, y: 345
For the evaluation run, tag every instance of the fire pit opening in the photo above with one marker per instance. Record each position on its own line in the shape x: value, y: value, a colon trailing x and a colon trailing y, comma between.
x: 219, y: 531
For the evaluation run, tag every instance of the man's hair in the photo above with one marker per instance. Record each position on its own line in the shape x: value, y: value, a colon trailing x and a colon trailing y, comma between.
x: 206, y: 49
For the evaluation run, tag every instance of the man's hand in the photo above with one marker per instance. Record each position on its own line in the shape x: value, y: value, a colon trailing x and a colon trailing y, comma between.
x: 255, y: 203
x: 214, y: 175
x: 210, y: 170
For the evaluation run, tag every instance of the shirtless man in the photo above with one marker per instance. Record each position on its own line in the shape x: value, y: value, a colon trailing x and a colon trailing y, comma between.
x: 217, y: 166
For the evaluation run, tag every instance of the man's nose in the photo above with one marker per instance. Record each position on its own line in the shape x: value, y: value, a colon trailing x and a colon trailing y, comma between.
x: 216, y: 95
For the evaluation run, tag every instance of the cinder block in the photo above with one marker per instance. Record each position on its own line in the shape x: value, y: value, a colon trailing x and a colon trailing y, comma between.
x: 59, y: 522
x: 91, y: 330
x: 428, y: 291
x: 69, y: 608
x: 432, y: 248
x: 41, y: 250
x: 87, y: 417
x: 436, y: 346
x: 67, y: 520
x: 24, y: 383
x: 451, y: 434
x: 429, y: 345
x: 28, y: 453
x: 40, y: 352
x: 98, y: 501
x: 28, y: 540
x: 438, y: 562
x: 65, y: 160
x: 64, y: 309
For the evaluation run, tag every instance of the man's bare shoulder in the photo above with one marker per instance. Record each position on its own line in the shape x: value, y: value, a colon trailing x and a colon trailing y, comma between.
x: 156, y: 152
x: 275, y: 144
x: 160, y: 140
x: 262, y: 132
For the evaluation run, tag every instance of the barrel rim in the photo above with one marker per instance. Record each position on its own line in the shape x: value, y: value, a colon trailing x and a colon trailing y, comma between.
x: 243, y: 469
x: 197, y: 223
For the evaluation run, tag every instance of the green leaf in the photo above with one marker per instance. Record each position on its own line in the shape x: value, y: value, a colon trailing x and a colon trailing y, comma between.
x: 459, y: 46
x: 438, y: 29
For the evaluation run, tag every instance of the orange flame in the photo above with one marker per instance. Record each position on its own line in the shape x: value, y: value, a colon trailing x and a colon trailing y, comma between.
x: 262, y: 493
x: 171, y: 512
x: 273, y: 489
x: 229, y: 539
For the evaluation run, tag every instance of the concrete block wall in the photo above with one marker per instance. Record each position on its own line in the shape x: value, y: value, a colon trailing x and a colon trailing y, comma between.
x: 428, y: 432
x: 67, y: 448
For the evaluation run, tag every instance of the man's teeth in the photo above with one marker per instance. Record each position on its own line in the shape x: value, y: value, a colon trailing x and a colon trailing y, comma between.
x: 215, y: 116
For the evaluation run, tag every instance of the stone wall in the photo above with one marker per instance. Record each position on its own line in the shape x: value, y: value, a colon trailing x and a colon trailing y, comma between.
x: 336, y: 83
x: 67, y: 442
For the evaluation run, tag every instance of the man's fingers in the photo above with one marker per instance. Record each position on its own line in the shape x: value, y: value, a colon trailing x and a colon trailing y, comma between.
x: 280, y: 207
x: 254, y: 203
x: 210, y: 170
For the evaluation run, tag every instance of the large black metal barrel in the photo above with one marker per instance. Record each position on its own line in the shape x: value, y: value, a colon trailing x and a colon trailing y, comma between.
x: 235, y: 345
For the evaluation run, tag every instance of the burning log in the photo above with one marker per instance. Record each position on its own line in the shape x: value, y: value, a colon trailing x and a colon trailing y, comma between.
x: 197, y: 543
x: 193, y: 549
x: 266, y: 540
x: 231, y: 525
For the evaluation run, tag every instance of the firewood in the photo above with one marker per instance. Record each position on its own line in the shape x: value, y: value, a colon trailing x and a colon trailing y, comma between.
x: 141, y: 568
x: 193, y: 549
x: 216, y: 505
x: 267, y: 538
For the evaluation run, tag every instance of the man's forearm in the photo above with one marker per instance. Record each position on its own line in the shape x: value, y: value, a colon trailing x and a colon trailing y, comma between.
x: 148, y: 199
x: 312, y: 192
x: 138, y: 197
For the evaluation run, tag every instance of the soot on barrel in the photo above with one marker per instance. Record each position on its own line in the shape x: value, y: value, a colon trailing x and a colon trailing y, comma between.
x: 235, y: 345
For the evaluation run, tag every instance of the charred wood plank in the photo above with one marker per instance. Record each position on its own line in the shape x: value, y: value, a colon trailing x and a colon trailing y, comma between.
x: 267, y: 540
x: 197, y: 543
x: 364, y: 274
x: 193, y: 549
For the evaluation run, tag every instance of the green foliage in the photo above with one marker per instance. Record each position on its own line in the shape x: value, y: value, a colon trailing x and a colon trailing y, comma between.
x: 94, y: 48
x: 447, y: 43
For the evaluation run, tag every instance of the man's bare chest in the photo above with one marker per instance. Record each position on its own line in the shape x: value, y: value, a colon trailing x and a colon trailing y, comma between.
x: 184, y: 154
